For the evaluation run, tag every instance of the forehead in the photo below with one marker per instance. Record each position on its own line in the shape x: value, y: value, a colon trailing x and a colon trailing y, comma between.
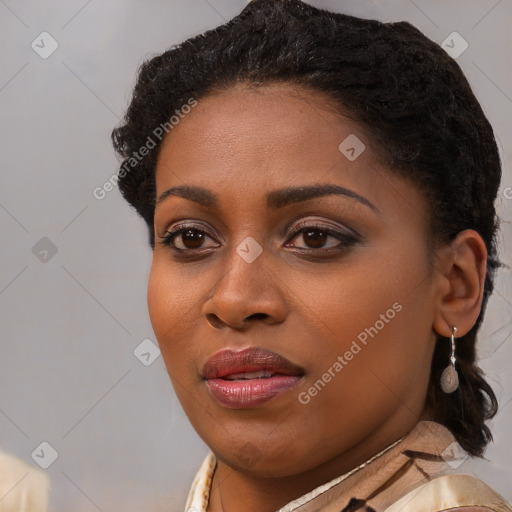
x: 256, y: 130
x: 245, y: 141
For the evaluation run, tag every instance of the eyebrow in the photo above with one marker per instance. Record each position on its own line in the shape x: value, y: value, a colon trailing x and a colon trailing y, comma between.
x: 275, y: 199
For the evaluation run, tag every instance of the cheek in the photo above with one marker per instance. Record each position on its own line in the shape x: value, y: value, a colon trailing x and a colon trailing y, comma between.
x: 376, y: 316
x: 160, y: 300
x: 350, y: 300
x: 172, y: 308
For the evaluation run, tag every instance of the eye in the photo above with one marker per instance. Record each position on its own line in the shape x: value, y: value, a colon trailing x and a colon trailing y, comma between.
x: 320, y: 237
x: 184, y: 238
x: 317, y: 238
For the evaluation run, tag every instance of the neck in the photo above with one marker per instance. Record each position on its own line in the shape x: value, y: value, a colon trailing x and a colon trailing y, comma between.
x: 234, y: 490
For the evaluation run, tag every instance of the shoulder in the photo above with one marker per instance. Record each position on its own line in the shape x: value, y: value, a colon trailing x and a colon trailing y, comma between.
x: 464, y: 493
x: 30, y: 486
x: 469, y: 509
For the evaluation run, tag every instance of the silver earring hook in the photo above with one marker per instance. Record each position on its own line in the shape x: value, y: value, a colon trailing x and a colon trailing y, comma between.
x: 452, y: 356
x: 450, y: 377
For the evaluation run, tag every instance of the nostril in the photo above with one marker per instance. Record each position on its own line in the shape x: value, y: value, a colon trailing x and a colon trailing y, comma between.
x: 258, y: 316
x: 214, y: 320
x: 218, y: 322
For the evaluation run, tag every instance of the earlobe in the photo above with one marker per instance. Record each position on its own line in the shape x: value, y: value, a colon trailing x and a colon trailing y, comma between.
x: 462, y: 269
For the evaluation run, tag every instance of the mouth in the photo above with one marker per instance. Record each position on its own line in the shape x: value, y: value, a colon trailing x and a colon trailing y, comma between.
x: 262, y: 374
x: 247, y: 378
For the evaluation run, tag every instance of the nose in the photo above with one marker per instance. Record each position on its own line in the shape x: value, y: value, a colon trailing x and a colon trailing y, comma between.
x: 245, y: 294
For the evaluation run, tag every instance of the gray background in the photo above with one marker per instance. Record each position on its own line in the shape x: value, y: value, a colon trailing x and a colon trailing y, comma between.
x: 70, y: 323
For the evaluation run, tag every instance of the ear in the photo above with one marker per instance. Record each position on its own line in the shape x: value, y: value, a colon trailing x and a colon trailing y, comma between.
x: 460, y: 276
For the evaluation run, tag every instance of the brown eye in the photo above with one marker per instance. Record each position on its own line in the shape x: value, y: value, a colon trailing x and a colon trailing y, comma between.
x: 191, y: 239
x: 315, y: 238
x: 183, y: 239
x: 318, y: 239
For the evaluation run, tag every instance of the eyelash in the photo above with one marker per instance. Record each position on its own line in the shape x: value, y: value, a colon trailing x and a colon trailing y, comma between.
x: 346, y: 240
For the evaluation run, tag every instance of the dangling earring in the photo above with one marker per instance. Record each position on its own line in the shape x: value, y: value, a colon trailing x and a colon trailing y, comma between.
x: 450, y: 377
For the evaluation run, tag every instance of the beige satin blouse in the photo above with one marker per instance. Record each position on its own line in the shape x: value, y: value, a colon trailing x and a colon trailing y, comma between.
x: 420, y: 473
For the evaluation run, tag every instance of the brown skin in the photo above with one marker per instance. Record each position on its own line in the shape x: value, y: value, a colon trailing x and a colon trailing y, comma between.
x: 241, y: 144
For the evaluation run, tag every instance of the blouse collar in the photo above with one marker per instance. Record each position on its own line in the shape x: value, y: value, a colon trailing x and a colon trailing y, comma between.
x: 427, y: 431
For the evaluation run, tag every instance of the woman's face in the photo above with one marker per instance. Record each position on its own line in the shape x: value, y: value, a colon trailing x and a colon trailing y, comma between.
x: 295, y: 326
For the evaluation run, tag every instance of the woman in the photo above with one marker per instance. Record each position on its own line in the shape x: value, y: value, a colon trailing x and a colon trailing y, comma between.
x: 319, y: 195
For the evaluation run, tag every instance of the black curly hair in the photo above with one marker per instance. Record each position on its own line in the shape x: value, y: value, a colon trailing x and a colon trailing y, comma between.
x: 408, y: 93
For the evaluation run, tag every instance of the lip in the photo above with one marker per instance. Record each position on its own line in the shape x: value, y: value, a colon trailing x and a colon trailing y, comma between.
x: 222, y: 376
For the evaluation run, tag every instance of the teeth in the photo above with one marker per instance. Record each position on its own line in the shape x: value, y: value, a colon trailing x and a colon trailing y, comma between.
x: 262, y: 374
